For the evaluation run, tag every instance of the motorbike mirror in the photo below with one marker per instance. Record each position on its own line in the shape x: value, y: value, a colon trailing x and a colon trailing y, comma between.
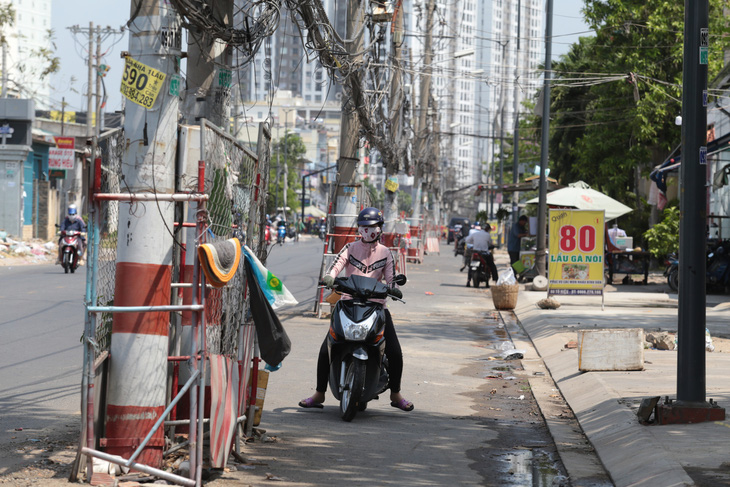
x: 400, y: 279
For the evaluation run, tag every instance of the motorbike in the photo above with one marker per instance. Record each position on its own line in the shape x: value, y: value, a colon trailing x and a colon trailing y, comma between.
x: 358, y: 365
x: 322, y: 231
x: 71, y: 250
x: 671, y: 271
x: 459, y: 245
x: 480, y: 270
x: 280, y: 234
x: 717, y: 272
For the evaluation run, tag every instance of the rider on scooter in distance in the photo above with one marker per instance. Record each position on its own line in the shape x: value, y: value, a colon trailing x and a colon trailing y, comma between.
x: 72, y: 222
x: 365, y: 257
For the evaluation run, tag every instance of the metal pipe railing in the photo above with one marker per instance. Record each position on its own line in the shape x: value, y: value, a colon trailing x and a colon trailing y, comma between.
x: 89, y: 452
x: 162, y: 417
x: 150, y: 197
x: 145, y: 309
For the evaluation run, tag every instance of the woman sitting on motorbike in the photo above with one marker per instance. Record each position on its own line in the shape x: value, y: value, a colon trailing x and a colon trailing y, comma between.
x: 365, y: 257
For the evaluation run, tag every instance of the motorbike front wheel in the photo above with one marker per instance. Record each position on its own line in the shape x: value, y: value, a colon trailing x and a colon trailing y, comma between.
x: 66, y: 262
x: 673, y: 279
x: 352, y: 389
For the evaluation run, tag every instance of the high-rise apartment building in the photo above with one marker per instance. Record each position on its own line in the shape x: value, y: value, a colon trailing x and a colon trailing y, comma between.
x: 28, y: 35
x: 510, y: 48
x: 476, y: 66
x: 282, y: 63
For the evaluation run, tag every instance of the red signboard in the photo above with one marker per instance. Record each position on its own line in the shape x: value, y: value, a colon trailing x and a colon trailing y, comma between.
x: 65, y: 142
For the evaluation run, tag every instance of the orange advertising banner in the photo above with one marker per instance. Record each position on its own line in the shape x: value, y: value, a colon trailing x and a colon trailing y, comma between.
x: 65, y: 142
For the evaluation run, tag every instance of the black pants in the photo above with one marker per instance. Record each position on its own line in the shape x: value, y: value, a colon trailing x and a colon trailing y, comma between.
x: 392, y: 351
x: 513, y: 256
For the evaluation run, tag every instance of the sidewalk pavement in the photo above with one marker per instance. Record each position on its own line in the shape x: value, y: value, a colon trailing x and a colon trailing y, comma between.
x: 605, y: 403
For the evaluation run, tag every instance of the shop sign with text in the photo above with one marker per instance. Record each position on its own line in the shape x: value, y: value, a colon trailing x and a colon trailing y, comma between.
x: 576, y: 257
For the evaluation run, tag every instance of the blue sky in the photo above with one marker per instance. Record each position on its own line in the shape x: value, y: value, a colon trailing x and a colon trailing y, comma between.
x: 66, y: 13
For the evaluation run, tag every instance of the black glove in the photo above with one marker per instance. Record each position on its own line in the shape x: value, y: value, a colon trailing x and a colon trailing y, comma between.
x: 328, y: 281
x: 396, y: 293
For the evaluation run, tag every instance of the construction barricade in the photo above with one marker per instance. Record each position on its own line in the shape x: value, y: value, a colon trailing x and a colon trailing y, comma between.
x: 220, y: 195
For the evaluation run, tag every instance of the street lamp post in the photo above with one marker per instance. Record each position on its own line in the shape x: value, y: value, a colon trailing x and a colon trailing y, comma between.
x: 304, y: 187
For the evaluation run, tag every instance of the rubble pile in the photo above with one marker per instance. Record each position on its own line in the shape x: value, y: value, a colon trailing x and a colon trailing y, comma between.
x: 32, y: 251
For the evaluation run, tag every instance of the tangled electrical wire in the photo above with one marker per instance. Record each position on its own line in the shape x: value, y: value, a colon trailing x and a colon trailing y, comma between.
x: 346, y: 67
x: 258, y: 20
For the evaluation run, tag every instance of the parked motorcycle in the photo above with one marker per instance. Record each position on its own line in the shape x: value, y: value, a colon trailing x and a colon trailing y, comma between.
x: 717, y: 273
x: 71, y: 248
x: 280, y: 234
x: 671, y: 271
x: 358, y: 366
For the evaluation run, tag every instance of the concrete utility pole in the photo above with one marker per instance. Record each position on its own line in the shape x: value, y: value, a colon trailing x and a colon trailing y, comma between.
x: 516, y: 139
x: 139, y: 345
x: 97, y: 111
x: 345, y: 202
x: 5, y: 67
x: 209, y: 76
x: 425, y: 95
x: 89, y: 90
x: 286, y: 163
x: 540, y: 257
x: 396, y: 98
x: 435, y: 182
x: 207, y: 92
x: 92, y: 65
x: 502, y: 103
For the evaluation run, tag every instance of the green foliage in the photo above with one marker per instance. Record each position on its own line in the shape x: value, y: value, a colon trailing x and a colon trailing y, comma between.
x: 405, y: 202
x: 377, y: 197
x: 618, y: 122
x: 482, y: 217
x: 663, y: 238
x: 502, y: 214
x: 286, y: 153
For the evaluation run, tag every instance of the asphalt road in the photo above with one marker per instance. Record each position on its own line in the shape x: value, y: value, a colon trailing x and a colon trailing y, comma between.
x: 470, y: 425
x: 475, y: 420
x: 41, y: 322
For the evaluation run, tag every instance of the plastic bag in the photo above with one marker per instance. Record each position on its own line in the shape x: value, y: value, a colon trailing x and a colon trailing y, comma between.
x: 708, y: 341
x: 507, y: 277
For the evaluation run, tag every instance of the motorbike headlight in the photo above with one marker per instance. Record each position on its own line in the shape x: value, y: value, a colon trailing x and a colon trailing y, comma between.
x: 356, y: 331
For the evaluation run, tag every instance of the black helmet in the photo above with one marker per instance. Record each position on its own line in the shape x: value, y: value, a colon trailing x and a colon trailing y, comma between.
x: 370, y: 216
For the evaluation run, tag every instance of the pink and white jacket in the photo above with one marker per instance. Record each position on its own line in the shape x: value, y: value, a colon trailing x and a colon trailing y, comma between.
x: 365, y: 259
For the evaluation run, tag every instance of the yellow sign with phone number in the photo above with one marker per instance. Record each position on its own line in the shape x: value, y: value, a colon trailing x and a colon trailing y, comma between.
x: 141, y: 83
x: 576, y: 262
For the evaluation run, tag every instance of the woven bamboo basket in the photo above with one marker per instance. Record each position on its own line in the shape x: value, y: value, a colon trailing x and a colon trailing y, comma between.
x: 505, y: 296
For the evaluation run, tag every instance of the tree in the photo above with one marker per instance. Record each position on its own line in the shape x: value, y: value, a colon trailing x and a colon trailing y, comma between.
x: 287, y: 155
x: 605, y: 131
x: 615, y: 96
x: 40, y: 62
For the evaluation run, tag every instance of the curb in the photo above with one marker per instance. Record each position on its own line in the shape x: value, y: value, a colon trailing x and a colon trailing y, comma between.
x: 630, y: 453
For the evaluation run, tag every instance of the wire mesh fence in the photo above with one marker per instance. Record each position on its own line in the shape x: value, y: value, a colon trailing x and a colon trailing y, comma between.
x: 236, y: 198
x: 111, y: 150
x: 235, y: 182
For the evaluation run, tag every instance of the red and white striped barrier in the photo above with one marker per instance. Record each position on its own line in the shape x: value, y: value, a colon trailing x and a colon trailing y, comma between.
x: 224, y: 382
x: 432, y: 245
